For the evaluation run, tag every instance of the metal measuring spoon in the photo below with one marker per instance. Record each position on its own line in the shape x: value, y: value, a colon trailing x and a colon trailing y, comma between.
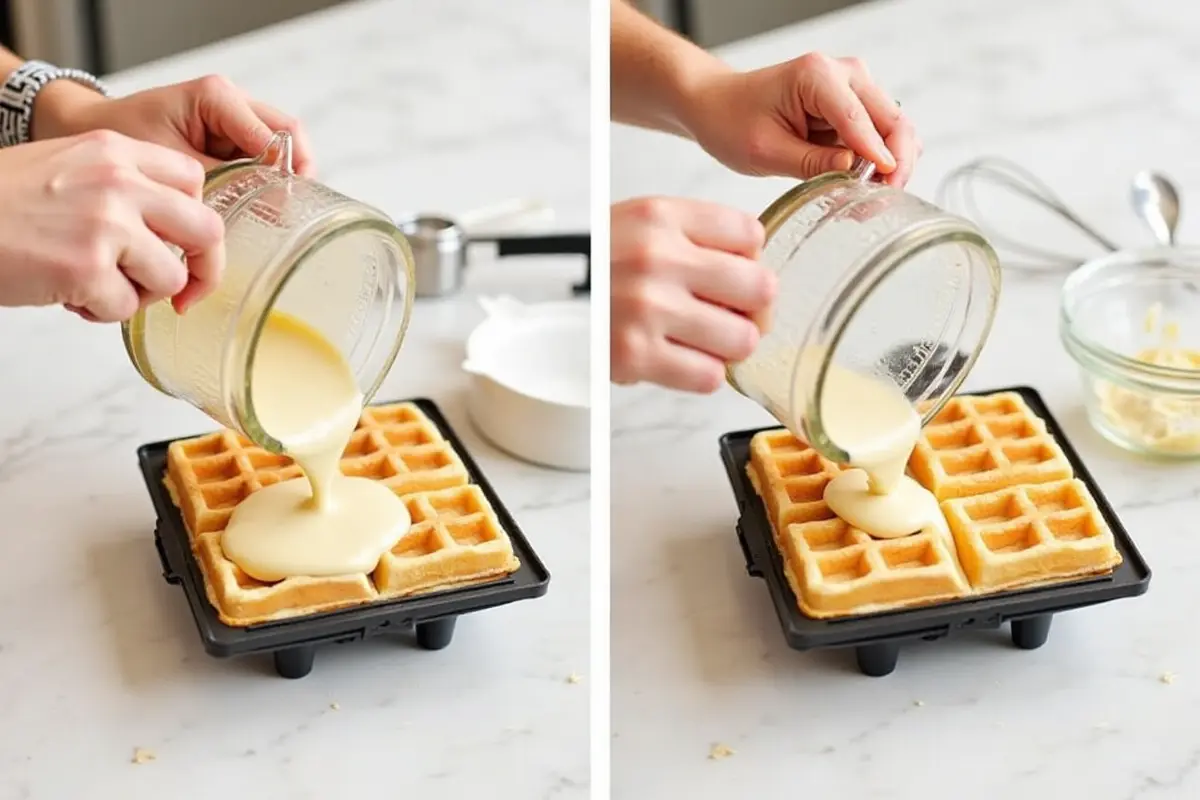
x: 1156, y: 202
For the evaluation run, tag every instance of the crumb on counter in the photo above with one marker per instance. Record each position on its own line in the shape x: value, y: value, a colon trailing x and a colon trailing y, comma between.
x: 334, y: 706
x: 918, y: 703
x: 719, y: 751
x: 142, y: 755
x: 574, y: 677
x: 1167, y: 677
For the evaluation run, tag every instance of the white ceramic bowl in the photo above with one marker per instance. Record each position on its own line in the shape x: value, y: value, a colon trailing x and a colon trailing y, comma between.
x: 530, y: 381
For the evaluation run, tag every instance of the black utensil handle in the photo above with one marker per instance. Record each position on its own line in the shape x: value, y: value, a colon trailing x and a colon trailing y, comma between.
x: 586, y: 286
x: 545, y: 245
x: 555, y: 244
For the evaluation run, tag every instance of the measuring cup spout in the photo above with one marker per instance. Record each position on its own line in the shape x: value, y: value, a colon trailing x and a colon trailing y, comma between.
x: 277, y: 153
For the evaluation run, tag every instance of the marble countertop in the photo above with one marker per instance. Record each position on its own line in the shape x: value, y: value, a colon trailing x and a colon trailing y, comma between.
x: 1083, y: 94
x: 449, y: 106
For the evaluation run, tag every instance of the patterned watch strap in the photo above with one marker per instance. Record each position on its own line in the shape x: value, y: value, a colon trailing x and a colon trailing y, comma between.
x: 19, y: 92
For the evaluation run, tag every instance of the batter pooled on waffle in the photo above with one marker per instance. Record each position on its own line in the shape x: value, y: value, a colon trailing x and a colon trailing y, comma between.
x: 454, y: 537
x: 331, y: 521
x: 1011, y: 515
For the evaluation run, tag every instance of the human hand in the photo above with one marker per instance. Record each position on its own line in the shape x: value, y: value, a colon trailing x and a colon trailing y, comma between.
x: 209, y: 119
x: 798, y: 119
x: 85, y: 221
x: 684, y: 280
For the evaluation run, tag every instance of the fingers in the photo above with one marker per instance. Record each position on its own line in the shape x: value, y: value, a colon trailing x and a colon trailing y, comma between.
x: 162, y: 165
x: 890, y: 121
x: 712, y: 330
x: 226, y: 112
x: 806, y: 159
x: 170, y: 168
x: 152, y: 267
x: 111, y: 298
x: 682, y: 291
x: 204, y: 275
x: 825, y: 92
x: 686, y: 370
x: 730, y: 281
x: 884, y: 112
x: 715, y: 227
x: 242, y: 126
x: 191, y: 226
x: 904, y: 143
x: 82, y: 313
x: 663, y: 333
x: 825, y: 139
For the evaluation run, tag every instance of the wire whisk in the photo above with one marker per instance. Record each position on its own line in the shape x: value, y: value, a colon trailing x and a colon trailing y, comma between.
x: 958, y: 193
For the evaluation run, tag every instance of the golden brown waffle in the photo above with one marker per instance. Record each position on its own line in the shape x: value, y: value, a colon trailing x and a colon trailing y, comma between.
x: 835, y: 569
x: 981, y: 444
x: 1035, y: 529
x: 455, y: 538
x: 1024, y: 534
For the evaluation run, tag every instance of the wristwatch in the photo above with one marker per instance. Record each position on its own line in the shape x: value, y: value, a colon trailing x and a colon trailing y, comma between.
x: 21, y: 89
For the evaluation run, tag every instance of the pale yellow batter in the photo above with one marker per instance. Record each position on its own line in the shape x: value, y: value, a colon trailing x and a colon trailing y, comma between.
x: 909, y: 507
x: 874, y: 423
x: 1158, y: 422
x: 305, y: 396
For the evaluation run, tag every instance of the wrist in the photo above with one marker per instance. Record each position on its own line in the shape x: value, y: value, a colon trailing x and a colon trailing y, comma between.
x: 58, y: 108
x: 690, y: 80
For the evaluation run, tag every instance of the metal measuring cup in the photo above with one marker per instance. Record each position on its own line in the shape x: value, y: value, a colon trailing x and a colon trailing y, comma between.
x: 440, y: 245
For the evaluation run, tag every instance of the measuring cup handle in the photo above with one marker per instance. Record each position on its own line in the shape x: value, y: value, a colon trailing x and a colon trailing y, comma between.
x: 560, y: 244
x: 544, y: 245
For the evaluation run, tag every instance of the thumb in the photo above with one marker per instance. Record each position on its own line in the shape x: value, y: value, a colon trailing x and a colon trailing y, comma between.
x: 804, y: 160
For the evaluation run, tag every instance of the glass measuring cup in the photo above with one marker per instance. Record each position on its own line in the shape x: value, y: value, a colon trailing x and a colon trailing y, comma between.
x: 293, y: 245
x: 874, y: 280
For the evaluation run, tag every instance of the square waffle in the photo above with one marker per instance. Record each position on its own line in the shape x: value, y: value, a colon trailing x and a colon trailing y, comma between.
x: 979, y: 444
x: 1010, y: 521
x: 455, y: 537
x: 833, y: 568
x: 1026, y: 534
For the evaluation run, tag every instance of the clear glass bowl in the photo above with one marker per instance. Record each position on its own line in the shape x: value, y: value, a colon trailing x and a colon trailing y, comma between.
x: 1131, y: 321
x: 292, y: 245
x: 874, y: 280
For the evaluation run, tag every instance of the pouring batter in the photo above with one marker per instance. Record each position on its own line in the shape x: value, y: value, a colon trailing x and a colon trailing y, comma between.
x: 874, y: 423
x: 305, y: 396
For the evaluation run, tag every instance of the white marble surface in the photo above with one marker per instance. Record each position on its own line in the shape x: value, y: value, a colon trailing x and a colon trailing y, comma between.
x: 1084, y: 94
x: 454, y: 104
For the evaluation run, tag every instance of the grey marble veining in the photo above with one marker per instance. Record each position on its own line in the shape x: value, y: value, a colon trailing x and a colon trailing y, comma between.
x: 411, y: 105
x: 1083, y: 94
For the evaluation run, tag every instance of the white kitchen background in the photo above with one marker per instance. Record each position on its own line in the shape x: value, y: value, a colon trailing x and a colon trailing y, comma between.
x: 108, y: 35
x: 715, y: 22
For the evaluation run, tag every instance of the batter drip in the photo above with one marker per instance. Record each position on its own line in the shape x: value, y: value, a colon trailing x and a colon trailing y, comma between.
x: 305, y: 396
x: 874, y: 423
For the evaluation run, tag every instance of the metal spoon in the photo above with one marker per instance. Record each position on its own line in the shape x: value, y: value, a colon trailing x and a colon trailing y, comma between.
x: 1156, y: 202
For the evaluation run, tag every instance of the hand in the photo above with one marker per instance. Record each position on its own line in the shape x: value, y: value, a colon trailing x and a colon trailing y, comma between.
x: 684, y: 280
x: 798, y: 118
x: 209, y: 119
x: 84, y: 222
